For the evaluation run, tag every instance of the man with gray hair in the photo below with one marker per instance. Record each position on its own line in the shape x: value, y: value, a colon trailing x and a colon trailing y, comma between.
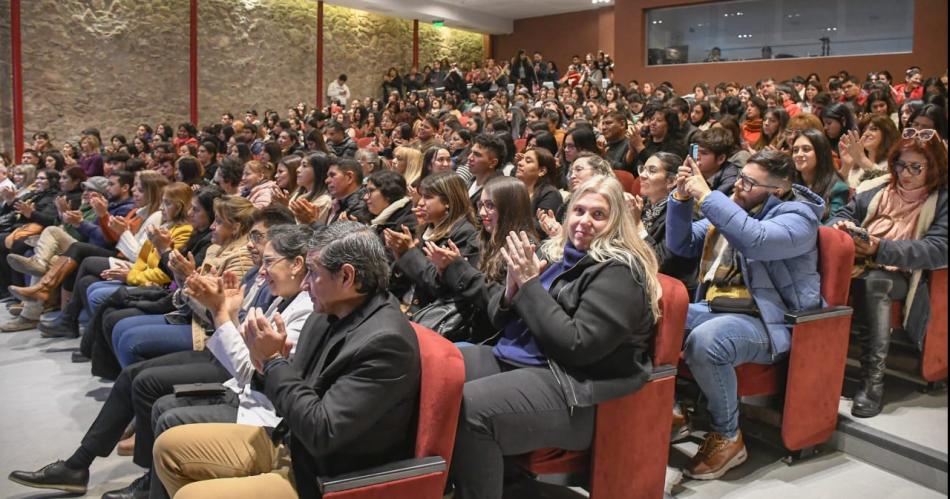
x: 348, y: 399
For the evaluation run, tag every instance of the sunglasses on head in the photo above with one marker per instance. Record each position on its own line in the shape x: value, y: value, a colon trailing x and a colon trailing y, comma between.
x: 923, y: 135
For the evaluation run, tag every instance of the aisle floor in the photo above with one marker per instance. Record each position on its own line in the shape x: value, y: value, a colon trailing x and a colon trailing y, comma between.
x: 48, y: 402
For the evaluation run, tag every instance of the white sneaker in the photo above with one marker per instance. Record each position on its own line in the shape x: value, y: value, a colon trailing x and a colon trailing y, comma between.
x: 673, y: 477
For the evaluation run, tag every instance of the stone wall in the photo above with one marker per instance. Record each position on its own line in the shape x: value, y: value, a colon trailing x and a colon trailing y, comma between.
x: 6, y: 81
x: 255, y: 54
x: 104, y: 63
x: 363, y: 46
x: 115, y: 63
x: 446, y: 43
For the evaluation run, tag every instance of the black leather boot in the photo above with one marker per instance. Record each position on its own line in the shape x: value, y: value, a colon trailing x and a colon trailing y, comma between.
x: 875, y: 342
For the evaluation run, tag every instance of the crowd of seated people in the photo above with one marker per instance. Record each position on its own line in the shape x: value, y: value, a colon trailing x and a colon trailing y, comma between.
x: 278, y: 262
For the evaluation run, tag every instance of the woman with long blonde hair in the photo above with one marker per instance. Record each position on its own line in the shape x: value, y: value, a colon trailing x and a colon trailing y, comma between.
x: 408, y: 162
x: 576, y: 333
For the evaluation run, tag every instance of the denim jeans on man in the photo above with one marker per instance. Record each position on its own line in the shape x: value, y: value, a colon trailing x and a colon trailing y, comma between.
x: 715, y: 344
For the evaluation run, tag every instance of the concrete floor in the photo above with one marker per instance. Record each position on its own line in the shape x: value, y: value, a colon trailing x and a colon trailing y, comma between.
x: 48, y: 402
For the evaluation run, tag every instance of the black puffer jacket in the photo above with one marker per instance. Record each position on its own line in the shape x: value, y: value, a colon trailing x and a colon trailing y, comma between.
x: 44, y: 209
x: 594, y: 325
x: 414, y: 270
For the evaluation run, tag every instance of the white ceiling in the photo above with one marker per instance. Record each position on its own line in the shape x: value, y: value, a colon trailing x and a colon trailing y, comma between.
x: 487, y: 16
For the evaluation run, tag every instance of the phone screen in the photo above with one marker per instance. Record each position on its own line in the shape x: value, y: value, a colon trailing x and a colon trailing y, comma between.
x: 694, y: 151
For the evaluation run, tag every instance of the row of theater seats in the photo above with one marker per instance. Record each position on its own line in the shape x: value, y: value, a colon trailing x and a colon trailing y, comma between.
x: 631, y: 441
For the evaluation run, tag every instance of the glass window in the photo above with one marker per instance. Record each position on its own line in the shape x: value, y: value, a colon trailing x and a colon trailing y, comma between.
x: 778, y: 29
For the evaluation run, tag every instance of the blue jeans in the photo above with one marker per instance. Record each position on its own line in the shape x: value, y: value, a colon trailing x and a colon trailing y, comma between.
x: 144, y: 337
x: 715, y: 344
x: 97, y: 293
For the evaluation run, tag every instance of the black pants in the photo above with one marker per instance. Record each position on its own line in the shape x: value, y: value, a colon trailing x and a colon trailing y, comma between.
x: 508, y: 411
x: 88, y: 273
x: 7, y: 276
x: 134, y: 393
x: 80, y: 252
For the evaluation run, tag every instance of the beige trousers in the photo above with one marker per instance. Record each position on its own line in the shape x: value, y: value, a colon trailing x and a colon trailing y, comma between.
x: 53, y: 241
x: 214, y: 460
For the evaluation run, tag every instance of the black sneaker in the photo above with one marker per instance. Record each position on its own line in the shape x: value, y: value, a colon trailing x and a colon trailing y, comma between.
x: 78, y: 358
x: 139, y: 489
x: 59, y: 329
x: 54, y: 476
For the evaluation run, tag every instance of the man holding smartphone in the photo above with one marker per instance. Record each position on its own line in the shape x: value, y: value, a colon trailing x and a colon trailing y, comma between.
x: 758, y: 253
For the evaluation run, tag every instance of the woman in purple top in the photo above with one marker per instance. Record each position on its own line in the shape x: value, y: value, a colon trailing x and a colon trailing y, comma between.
x: 91, y: 160
x: 575, y: 332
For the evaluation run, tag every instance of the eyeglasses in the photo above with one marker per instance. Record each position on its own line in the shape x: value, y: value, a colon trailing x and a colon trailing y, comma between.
x: 256, y: 237
x: 579, y: 168
x: 569, y: 147
x: 748, y: 184
x: 267, y: 263
x: 923, y: 135
x: 915, y: 169
x: 488, y: 205
x: 644, y: 170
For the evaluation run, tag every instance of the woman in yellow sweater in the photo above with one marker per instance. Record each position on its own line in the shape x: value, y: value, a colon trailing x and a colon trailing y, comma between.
x: 176, y: 199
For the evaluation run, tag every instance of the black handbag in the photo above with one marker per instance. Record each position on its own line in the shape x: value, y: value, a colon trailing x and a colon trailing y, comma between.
x: 728, y: 305
x: 448, y: 318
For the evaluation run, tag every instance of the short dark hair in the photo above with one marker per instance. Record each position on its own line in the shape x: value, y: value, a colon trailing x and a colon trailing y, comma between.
x: 117, y: 157
x: 231, y: 171
x: 273, y: 215
x: 390, y: 184
x: 717, y: 140
x: 349, y: 165
x: 493, y: 145
x: 778, y: 164
x: 680, y: 105
x: 135, y: 165
x: 336, y: 126
x: 124, y: 178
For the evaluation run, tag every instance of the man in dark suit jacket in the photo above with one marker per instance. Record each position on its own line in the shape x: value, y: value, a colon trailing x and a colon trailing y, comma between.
x: 348, y: 399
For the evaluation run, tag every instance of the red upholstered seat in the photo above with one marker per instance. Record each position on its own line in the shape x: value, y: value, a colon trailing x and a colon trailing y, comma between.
x: 813, y: 374
x: 631, y: 437
x: 933, y: 359
x: 630, y: 183
x: 440, y: 399
x: 364, y: 142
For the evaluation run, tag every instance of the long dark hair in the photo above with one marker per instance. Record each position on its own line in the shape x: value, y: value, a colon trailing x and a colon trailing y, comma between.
x: 510, y: 197
x: 826, y: 175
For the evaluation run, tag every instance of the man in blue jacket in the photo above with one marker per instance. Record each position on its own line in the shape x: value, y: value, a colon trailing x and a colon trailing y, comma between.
x: 119, y: 203
x: 759, y: 260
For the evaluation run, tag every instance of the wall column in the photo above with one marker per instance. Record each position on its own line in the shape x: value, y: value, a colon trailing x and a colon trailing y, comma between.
x: 320, y: 55
x: 193, y: 59
x: 16, y: 61
x: 415, y: 43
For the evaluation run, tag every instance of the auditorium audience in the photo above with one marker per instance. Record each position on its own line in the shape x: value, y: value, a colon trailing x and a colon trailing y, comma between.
x: 448, y: 205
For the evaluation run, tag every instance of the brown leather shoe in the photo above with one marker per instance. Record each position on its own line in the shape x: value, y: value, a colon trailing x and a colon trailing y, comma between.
x: 716, y: 456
